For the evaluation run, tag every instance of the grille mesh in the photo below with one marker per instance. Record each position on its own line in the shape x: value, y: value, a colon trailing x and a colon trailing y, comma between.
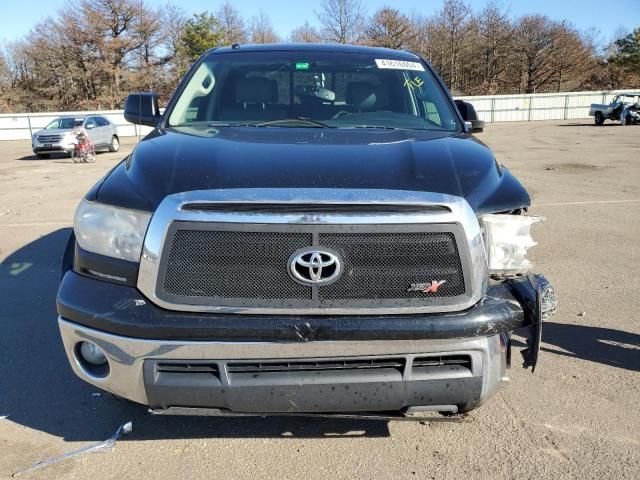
x: 245, y: 265
x: 240, y: 268
x: 384, y: 265
x: 49, y: 138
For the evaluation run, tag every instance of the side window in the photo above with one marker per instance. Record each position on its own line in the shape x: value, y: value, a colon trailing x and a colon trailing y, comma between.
x: 432, y: 113
x: 90, y: 123
x: 187, y: 108
x: 193, y: 109
x: 430, y: 105
x: 101, y: 121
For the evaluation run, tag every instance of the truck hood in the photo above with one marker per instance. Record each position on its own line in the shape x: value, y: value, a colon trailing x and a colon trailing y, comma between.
x: 178, y: 160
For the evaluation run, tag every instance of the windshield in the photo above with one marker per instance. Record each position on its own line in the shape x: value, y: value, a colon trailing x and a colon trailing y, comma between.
x: 629, y: 99
x: 64, y: 123
x: 313, y: 90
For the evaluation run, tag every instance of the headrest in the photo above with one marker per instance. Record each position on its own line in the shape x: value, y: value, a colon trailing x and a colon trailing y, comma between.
x: 256, y: 90
x: 366, y: 96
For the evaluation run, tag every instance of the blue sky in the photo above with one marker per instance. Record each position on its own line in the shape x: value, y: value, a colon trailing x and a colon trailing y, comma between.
x: 18, y: 18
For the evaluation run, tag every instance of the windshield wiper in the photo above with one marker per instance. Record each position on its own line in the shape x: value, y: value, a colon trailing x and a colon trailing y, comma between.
x: 382, y: 127
x: 232, y: 124
x: 303, y: 120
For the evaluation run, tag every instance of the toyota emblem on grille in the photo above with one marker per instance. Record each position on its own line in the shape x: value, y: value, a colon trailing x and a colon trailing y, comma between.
x: 315, y: 266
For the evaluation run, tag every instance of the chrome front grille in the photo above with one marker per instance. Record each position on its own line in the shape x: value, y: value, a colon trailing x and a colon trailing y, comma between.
x: 49, y: 138
x: 231, y: 251
x: 246, y: 266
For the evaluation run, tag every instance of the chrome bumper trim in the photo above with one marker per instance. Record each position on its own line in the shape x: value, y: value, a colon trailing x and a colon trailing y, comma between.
x: 126, y: 355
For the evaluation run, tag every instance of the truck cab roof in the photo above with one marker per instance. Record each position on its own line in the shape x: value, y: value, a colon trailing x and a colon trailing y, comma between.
x: 314, y: 47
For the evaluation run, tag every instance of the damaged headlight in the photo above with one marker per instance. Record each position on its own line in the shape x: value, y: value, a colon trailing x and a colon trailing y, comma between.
x: 507, y: 238
x: 111, y: 231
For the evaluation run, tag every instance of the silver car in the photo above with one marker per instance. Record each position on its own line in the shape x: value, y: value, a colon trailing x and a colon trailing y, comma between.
x: 59, y: 137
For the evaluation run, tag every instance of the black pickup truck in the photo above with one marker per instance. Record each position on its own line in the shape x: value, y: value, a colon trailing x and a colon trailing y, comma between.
x: 307, y: 229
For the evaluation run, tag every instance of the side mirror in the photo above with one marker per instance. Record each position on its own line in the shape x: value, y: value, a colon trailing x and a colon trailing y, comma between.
x: 89, y: 126
x: 474, y: 125
x: 142, y: 109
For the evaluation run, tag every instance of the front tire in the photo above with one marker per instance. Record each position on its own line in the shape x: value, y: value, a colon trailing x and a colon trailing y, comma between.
x: 599, y: 118
x: 114, y: 146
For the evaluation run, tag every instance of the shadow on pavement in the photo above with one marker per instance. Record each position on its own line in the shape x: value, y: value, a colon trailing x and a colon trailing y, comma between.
x: 607, y: 346
x: 595, y: 344
x: 38, y: 389
x: 52, y: 156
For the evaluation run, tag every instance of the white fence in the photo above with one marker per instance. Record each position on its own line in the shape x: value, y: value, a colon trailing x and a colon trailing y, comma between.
x: 491, y: 108
x: 541, y: 106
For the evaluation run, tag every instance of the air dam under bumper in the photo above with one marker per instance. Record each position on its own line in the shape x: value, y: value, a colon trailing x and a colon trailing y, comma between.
x: 259, y: 363
x: 322, y: 376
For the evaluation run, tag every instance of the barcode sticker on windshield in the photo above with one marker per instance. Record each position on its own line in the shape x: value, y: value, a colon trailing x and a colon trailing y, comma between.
x: 399, y: 65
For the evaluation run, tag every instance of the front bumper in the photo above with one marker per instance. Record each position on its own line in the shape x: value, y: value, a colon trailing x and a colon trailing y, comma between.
x: 123, y: 310
x: 164, y: 374
x: 287, y: 363
x: 52, y: 147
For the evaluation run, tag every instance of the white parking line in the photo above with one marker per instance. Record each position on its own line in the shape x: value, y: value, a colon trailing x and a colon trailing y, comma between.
x: 35, y: 224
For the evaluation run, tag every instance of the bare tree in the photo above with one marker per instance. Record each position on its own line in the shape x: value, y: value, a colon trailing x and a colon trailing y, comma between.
x: 305, y: 34
x: 112, y: 23
x: 20, y: 76
x: 389, y: 28
x: 261, y: 30
x: 174, y: 20
x: 232, y: 24
x: 534, y: 38
x: 571, y: 57
x: 342, y: 21
x: 453, y: 20
x: 496, y: 34
x: 148, y: 60
x: 5, y: 85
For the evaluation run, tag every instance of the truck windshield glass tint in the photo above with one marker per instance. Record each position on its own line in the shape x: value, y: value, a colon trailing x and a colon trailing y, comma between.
x: 284, y: 89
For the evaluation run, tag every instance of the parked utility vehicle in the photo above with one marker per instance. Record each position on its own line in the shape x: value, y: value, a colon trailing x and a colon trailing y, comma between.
x: 308, y: 229
x: 624, y: 108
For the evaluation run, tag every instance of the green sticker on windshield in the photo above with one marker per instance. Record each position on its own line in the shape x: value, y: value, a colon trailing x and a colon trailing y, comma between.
x: 302, y: 66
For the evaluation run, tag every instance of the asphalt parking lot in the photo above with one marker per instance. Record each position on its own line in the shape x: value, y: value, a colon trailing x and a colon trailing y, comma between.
x: 578, y: 416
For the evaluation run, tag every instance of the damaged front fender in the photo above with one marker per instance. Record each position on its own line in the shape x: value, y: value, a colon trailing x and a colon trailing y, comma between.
x: 538, y: 300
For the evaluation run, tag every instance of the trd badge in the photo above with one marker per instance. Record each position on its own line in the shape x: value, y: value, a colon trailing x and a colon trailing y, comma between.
x: 431, y: 287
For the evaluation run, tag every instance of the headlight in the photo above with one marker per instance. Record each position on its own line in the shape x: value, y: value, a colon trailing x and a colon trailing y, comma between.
x: 507, y: 239
x: 111, y: 231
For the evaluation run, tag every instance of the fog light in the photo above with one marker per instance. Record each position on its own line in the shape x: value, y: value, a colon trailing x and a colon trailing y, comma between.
x: 92, y: 354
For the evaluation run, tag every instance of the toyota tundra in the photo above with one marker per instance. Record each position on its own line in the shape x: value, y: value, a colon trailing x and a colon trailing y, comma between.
x: 308, y: 229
